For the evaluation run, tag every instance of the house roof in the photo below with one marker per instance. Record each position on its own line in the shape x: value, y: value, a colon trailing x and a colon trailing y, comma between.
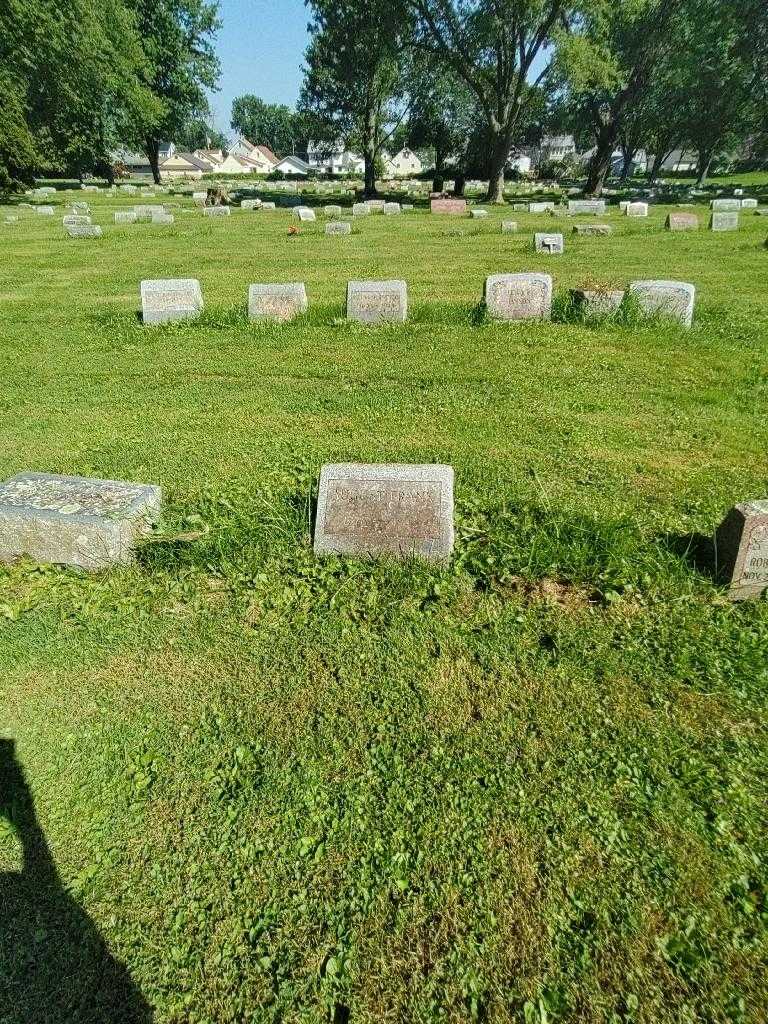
x: 267, y: 152
x: 191, y: 159
x: 297, y: 162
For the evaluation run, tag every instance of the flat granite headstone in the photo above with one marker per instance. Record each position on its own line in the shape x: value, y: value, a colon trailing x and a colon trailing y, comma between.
x: 456, y: 207
x: 73, y: 520
x: 338, y: 227
x: 540, y: 207
x: 400, y: 510
x: 725, y: 205
x: 373, y: 302
x: 674, y: 299
x: 392, y: 208
x: 170, y: 299
x: 83, y: 230
x: 75, y: 218
x: 305, y: 214
x: 682, y: 222
x: 636, y: 210
x: 148, y: 210
x: 741, y: 550
x: 360, y: 209
x: 586, y: 206
x: 508, y: 227
x: 268, y: 206
x: 332, y: 211
x: 45, y: 211
x: 125, y: 217
x: 478, y: 214
x: 276, y: 301
x: 518, y: 296
x: 592, y: 229
x: 250, y: 204
x: 216, y: 211
x: 162, y: 218
x: 724, y: 221
x: 549, y: 243
x: 748, y: 204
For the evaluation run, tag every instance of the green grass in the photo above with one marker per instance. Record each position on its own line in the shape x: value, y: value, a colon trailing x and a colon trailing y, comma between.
x: 529, y: 786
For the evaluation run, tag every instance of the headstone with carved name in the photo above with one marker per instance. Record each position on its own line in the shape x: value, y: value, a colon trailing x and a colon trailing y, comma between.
x: 682, y: 222
x: 125, y: 217
x: 748, y: 204
x: 741, y: 550
x: 724, y: 220
x: 373, y: 302
x: 250, y: 204
x: 376, y: 205
x: 549, y: 243
x: 72, y: 520
x: 391, y: 209
x: 478, y: 214
x: 456, y: 207
x: 276, y: 301
x: 636, y: 210
x: 147, y: 211
x: 672, y: 299
x: 305, y: 214
x: 592, y: 229
x: 725, y: 205
x: 72, y: 219
x: 360, y: 209
x: 332, y: 211
x: 398, y: 510
x: 593, y: 207
x: 338, y: 227
x: 166, y: 300
x: 540, y: 207
x: 519, y: 296
x: 216, y: 211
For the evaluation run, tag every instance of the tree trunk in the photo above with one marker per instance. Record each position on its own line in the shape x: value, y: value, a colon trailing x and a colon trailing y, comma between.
x: 459, y: 184
x: 499, y: 154
x: 628, y: 156
x: 705, y: 160
x: 153, y: 153
x: 658, y: 160
x: 369, y: 154
x: 438, y: 180
x: 369, y: 188
x: 600, y: 164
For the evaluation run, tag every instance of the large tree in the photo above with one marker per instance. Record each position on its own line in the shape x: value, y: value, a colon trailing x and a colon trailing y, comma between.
x: 443, y: 116
x: 492, y: 46
x: 180, y: 63
x: 354, y: 83
x: 271, y: 124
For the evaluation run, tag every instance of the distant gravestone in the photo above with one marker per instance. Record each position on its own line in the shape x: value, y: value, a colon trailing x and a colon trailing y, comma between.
x: 595, y: 304
x: 163, y: 301
x: 147, y: 211
x: 250, y: 204
x: 276, y: 301
x: 636, y: 210
x: 592, y: 229
x: 762, y: 212
x: 75, y: 218
x: 456, y: 207
x: 741, y: 550
x: 682, y: 222
x: 478, y: 214
x: 519, y: 296
x: 90, y: 188
x: 71, y: 520
x: 724, y: 221
x: 268, y: 206
x: 11, y: 219
x: 508, y: 227
x: 519, y: 207
x: 338, y: 227
x: 360, y: 210
x: 125, y: 217
x: 593, y: 207
x: 748, y: 204
x: 540, y: 207
x: 673, y: 299
x: 45, y: 211
x: 83, y: 230
x: 216, y: 211
x: 375, y: 205
x: 365, y: 510
x: 725, y: 205
x: 81, y: 208
x: 305, y: 214
x: 623, y: 205
x: 391, y: 209
x: 549, y: 243
x: 332, y: 211
x: 407, y: 207
x: 373, y: 302
x: 162, y: 218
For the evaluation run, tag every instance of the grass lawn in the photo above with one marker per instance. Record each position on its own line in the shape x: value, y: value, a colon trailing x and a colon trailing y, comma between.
x: 530, y: 786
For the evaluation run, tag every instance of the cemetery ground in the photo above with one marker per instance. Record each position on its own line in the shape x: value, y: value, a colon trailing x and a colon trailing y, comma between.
x: 526, y: 786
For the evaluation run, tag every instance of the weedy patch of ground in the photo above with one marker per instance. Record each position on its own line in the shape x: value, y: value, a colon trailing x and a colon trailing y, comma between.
x: 528, y: 786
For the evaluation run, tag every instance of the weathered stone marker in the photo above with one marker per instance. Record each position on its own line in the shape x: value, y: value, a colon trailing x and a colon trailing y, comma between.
x: 72, y: 520
x: 586, y: 206
x: 478, y: 214
x: 338, y: 227
x: 724, y: 221
x: 726, y: 205
x: 83, y: 230
x: 405, y: 511
x: 456, y: 207
x: 549, y: 243
x: 250, y: 204
x: 360, y: 209
x: 391, y: 209
x: 508, y: 227
x: 636, y: 210
x: 45, y: 211
x: 519, y: 296
x: 276, y: 301
x: 170, y: 299
x: 125, y: 217
x: 373, y: 302
x: 592, y: 229
x: 147, y: 211
x: 375, y: 205
x: 748, y: 204
x: 741, y: 550
x: 305, y: 214
x: 540, y: 207
x: 162, y: 218
x: 682, y: 222
x: 216, y: 211
x: 594, y: 304
x: 673, y: 299
x: 268, y: 206
x: 332, y: 211
x: 75, y: 218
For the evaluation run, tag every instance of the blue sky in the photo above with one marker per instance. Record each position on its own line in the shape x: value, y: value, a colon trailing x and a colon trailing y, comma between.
x: 261, y: 47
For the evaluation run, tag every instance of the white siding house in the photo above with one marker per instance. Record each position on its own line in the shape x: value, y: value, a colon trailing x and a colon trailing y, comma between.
x: 404, y: 164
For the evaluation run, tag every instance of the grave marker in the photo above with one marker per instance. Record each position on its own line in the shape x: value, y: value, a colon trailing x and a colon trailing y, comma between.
x: 741, y: 550
x: 45, y: 211
x: 455, y: 207
x: 276, y: 301
x: 166, y: 300
x: 305, y: 214
x: 724, y: 221
x: 748, y: 204
x: 373, y: 302
x: 72, y: 520
x: 519, y: 296
x: 636, y: 210
x: 674, y: 299
x: 391, y: 209
x: 549, y: 243
x: 250, y: 204
x: 83, y: 230
x: 540, y: 207
x: 595, y: 304
x: 365, y: 510
x: 592, y: 229
x: 125, y: 217
x: 682, y: 222
x: 338, y: 227
x: 216, y: 211
x: 725, y: 205
x: 478, y: 214
x: 508, y: 227
x: 593, y: 207
x: 360, y: 210
x: 332, y: 211
x: 162, y: 218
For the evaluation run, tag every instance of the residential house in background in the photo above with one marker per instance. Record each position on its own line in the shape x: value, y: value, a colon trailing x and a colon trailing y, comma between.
x: 333, y: 158
x: 184, y: 165
x: 404, y: 164
x: 233, y: 164
x: 261, y: 159
x: 292, y: 165
x: 557, y: 148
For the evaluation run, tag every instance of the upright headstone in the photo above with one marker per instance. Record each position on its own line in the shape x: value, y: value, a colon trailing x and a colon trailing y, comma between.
x: 171, y: 299
x: 508, y: 227
x: 540, y: 207
x: 375, y: 205
x: 673, y: 299
x: 636, y: 210
x: 147, y: 211
x: 405, y: 511
x: 360, y: 210
x: 72, y: 520
x: 593, y: 207
x: 748, y: 204
x: 478, y: 214
x: 276, y: 301
x: 268, y: 206
x: 519, y: 296
x: 216, y: 211
x: 72, y: 219
x: 125, y: 217
x: 373, y: 302
x: 338, y: 227
x: 724, y: 221
x: 725, y: 205
x: 250, y: 204
x: 456, y: 207
x: 741, y: 550
x: 83, y: 230
x: 549, y: 243
x: 162, y: 218
x: 682, y: 222
x: 332, y: 211
x: 305, y: 214
x: 592, y: 229
x: 391, y: 208
x: 45, y: 211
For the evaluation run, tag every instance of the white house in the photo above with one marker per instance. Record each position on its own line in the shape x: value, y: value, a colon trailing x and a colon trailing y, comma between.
x: 557, y: 148
x: 232, y: 164
x: 681, y: 160
x: 292, y: 165
x: 184, y: 165
x: 261, y: 158
x: 333, y: 158
x: 404, y: 164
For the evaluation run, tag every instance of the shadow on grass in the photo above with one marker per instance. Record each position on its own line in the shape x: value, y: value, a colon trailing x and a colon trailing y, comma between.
x: 54, y: 964
x: 693, y: 549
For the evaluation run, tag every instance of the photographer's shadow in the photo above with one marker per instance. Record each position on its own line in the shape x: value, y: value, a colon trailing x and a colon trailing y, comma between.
x: 54, y: 965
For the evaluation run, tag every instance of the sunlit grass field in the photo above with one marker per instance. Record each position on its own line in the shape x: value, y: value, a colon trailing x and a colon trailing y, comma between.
x: 528, y: 786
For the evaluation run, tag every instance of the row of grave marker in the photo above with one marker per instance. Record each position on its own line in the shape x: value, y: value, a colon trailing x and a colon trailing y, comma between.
x: 507, y: 297
x: 363, y: 510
